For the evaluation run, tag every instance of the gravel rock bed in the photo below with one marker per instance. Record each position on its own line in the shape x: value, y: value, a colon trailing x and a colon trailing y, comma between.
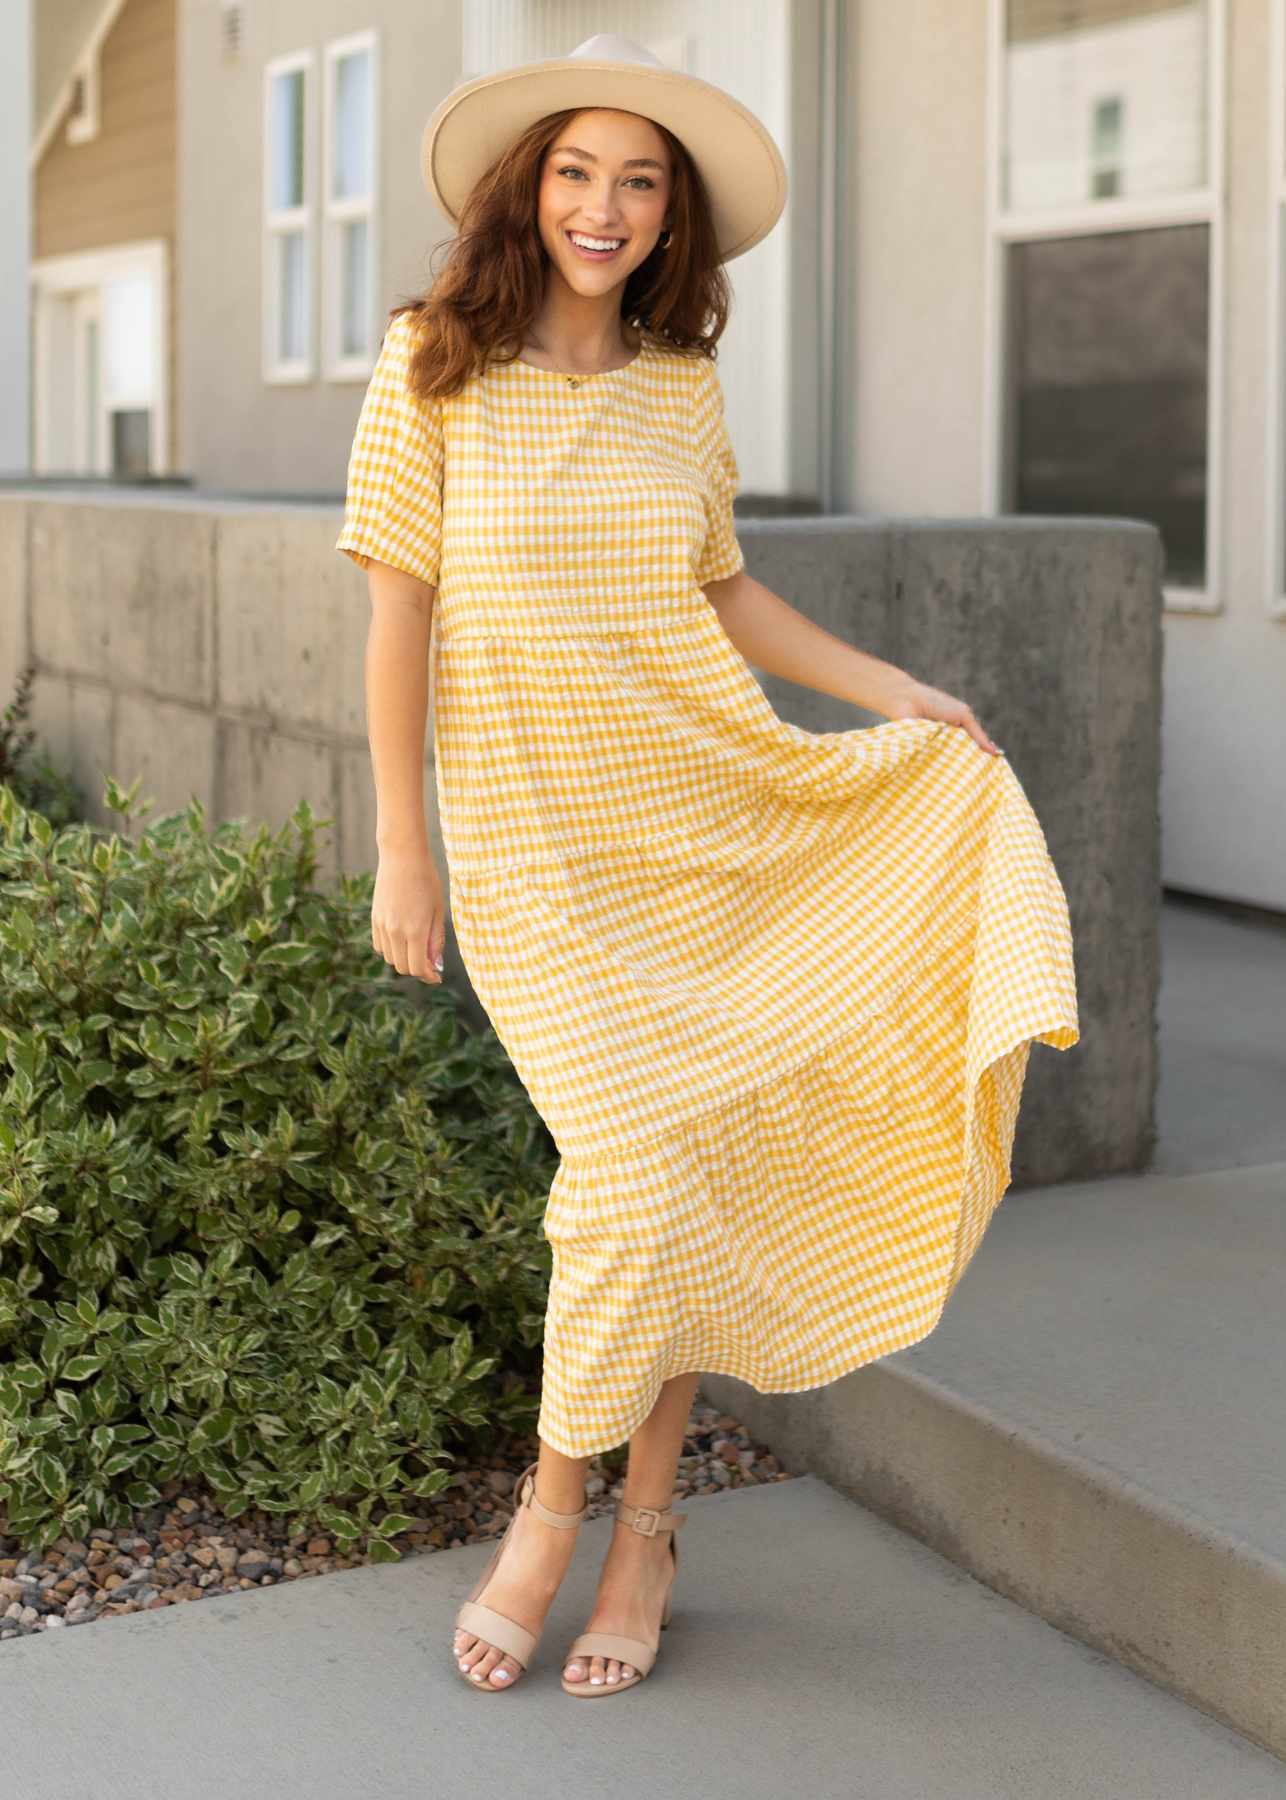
x: 185, y: 1549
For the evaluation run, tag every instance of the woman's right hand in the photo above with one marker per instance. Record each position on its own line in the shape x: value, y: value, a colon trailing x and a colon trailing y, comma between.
x: 408, y: 914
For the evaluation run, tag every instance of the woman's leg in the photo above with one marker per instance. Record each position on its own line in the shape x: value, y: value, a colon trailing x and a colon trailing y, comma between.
x: 532, y: 1567
x: 632, y: 1587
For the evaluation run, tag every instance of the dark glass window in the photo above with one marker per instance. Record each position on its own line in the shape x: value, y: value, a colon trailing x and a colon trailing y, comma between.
x: 1108, y: 351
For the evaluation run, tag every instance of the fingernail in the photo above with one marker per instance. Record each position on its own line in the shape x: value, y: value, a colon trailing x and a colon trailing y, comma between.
x: 437, y: 963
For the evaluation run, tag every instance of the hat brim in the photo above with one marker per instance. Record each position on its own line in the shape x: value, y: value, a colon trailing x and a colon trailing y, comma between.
x: 736, y: 158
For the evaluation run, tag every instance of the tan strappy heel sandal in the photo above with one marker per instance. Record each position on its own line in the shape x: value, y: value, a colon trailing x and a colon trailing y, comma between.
x: 492, y: 1627
x: 640, y: 1656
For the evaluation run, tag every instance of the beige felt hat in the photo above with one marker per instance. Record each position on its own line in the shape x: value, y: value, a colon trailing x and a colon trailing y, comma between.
x: 737, y: 159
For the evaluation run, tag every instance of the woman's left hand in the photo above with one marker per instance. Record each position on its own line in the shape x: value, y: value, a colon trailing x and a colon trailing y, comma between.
x: 916, y: 701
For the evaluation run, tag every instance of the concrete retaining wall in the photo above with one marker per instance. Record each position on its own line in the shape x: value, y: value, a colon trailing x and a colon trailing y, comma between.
x: 216, y: 648
x: 213, y: 648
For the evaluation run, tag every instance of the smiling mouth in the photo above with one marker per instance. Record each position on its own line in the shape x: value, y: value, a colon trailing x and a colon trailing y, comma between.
x: 595, y: 249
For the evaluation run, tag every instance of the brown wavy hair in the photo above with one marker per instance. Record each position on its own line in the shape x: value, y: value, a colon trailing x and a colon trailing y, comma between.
x: 493, y: 281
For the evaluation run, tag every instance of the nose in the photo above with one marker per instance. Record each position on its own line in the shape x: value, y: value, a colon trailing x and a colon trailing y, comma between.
x: 601, y: 204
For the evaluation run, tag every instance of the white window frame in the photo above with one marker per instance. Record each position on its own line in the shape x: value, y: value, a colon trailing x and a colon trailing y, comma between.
x: 86, y: 272
x: 280, y: 223
x: 336, y: 214
x: 1200, y: 206
x: 1275, y: 462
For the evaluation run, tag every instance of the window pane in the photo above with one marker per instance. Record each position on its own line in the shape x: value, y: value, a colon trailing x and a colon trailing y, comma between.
x: 290, y: 291
x: 90, y: 397
x: 351, y: 173
x: 129, y: 338
x: 1109, y: 358
x: 131, y: 442
x: 287, y: 140
x: 355, y: 332
x: 1104, y: 98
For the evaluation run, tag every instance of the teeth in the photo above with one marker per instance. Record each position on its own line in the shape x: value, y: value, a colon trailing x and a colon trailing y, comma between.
x: 590, y: 243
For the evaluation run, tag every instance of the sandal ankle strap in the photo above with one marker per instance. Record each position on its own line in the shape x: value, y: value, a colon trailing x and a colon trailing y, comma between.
x: 525, y: 1495
x: 647, y: 1520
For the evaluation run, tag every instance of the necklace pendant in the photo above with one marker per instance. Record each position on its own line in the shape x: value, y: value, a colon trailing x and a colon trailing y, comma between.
x: 572, y: 382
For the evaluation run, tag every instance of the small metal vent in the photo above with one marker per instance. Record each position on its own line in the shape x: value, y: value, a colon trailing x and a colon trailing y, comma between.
x: 232, y: 29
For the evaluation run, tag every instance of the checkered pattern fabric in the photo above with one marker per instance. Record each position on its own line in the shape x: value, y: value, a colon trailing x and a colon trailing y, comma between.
x: 772, y: 991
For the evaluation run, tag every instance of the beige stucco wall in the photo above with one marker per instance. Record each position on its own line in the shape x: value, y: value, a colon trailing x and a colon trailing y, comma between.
x: 234, y: 431
x: 912, y: 330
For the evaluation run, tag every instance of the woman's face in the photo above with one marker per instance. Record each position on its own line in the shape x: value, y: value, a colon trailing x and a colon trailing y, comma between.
x: 604, y: 193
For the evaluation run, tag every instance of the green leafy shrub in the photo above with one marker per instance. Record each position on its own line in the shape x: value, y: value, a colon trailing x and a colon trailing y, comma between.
x: 265, y: 1220
x: 37, y: 783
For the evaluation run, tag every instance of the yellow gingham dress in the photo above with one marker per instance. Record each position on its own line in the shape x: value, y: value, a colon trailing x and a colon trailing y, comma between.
x: 772, y: 991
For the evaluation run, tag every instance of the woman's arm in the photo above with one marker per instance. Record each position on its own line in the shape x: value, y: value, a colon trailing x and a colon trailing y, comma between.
x: 408, y: 915
x: 775, y: 638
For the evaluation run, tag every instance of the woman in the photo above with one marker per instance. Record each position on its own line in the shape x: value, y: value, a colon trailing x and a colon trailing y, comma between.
x: 773, y: 992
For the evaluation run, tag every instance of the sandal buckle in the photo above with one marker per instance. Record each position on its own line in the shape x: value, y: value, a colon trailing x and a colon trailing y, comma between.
x: 647, y: 1521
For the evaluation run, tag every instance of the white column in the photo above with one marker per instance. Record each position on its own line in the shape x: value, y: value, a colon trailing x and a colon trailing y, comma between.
x: 16, y: 23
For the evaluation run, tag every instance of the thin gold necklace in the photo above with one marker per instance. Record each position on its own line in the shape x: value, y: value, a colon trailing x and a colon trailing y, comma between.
x: 573, y: 381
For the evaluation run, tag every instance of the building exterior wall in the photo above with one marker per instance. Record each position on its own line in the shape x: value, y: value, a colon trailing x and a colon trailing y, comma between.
x: 117, y: 188
x: 16, y: 35
x: 234, y: 430
x: 912, y: 314
x: 1224, y: 783
x: 923, y: 407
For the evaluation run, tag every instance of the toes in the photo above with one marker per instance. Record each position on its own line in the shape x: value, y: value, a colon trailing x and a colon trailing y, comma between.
x: 482, y: 1662
x: 575, y: 1671
x: 481, y: 1669
x: 505, y: 1673
x: 613, y: 1674
x: 597, y: 1671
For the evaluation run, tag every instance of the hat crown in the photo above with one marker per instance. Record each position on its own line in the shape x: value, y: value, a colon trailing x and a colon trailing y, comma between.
x: 607, y: 46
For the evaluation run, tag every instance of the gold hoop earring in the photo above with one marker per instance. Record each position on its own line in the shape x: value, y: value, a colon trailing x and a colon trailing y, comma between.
x: 665, y: 240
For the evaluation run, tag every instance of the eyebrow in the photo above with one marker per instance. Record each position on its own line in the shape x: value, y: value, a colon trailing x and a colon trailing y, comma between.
x: 635, y: 162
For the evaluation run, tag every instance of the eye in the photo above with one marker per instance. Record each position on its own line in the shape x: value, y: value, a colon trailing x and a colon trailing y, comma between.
x: 641, y: 181
x: 575, y: 170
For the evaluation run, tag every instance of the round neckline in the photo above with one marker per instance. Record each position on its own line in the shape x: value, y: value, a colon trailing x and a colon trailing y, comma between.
x: 585, y: 380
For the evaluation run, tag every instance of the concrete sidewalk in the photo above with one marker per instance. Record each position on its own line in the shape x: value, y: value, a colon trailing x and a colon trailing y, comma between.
x: 1221, y: 1101
x: 815, y: 1651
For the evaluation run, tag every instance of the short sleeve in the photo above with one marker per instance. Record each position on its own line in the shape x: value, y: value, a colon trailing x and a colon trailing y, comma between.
x: 393, y: 512
x: 721, y: 554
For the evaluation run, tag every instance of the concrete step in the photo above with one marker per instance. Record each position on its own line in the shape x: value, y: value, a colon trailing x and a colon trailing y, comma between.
x: 815, y: 1651
x: 1097, y: 1429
